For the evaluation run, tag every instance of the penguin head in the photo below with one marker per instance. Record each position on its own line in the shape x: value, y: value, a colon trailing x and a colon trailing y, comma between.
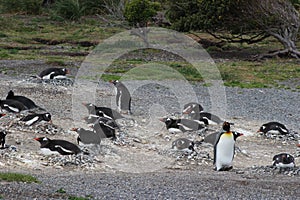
x: 47, y: 117
x: 42, y: 140
x: 283, y: 158
x: 236, y: 134
x: 262, y: 129
x: 226, y: 126
x: 115, y: 82
x: 10, y: 94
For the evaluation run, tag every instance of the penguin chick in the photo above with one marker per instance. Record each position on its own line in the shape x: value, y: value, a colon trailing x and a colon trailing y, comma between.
x: 224, y: 148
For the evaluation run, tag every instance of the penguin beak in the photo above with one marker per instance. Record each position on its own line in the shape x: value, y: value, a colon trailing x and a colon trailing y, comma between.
x: 37, y: 139
x: 50, y: 122
x: 74, y: 129
x: 67, y: 71
x: 2, y: 114
x: 161, y: 119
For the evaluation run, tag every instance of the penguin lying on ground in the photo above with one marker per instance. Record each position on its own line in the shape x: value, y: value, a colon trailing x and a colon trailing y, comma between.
x: 54, y: 73
x: 28, y: 103
x: 103, y: 111
x: 34, y: 118
x: 11, y: 105
x: 181, y: 125
x: 2, y: 139
x: 104, y: 130
x: 62, y: 147
x: 273, y: 127
x: 191, y: 108
x: 91, y: 119
x: 184, y: 145
x: 224, y: 148
x: 283, y: 160
x: 87, y: 136
x: 123, y: 98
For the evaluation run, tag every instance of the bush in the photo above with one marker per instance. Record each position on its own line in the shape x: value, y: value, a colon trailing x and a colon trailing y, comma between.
x: 21, y: 6
x: 69, y: 9
x: 139, y: 12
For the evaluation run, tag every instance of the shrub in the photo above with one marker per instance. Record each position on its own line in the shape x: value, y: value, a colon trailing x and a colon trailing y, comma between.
x: 139, y: 12
x: 69, y: 9
x: 23, y: 6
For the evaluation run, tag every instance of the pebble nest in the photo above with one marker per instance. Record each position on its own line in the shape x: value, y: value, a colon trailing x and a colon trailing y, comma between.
x: 170, y: 174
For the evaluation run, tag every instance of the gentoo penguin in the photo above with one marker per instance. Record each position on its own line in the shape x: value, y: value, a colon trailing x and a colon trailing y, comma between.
x: 123, y: 98
x: 191, y: 108
x: 2, y: 139
x: 91, y: 119
x: 54, y: 73
x: 273, y: 127
x: 183, y: 144
x: 104, y: 130
x: 28, y: 103
x: 34, y: 118
x: 181, y: 125
x: 62, y: 147
x: 224, y: 148
x: 87, y: 136
x: 283, y: 160
x: 11, y: 105
x: 103, y: 111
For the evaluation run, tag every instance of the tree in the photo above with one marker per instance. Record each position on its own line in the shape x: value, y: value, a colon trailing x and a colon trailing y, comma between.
x: 247, y: 21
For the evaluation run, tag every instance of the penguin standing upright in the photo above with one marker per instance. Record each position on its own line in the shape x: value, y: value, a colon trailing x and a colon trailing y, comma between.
x: 123, y: 98
x: 224, y: 148
x: 2, y: 139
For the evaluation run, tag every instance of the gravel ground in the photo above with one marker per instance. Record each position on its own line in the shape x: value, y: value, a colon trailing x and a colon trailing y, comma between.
x: 141, y: 166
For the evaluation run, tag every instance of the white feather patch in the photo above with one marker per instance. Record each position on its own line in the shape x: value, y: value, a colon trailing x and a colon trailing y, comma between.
x: 11, y: 108
x: 30, y: 122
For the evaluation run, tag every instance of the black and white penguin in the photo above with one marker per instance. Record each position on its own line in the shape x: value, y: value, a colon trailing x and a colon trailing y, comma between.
x: 11, y: 105
x: 273, y: 128
x: 54, y: 73
x: 192, y: 108
x: 62, y: 147
x: 34, y: 118
x: 103, y: 111
x: 104, y: 130
x: 87, y: 136
x: 2, y: 139
x: 224, y: 148
x: 123, y: 98
x: 28, y: 103
x: 283, y: 160
x: 184, y: 145
x: 181, y: 125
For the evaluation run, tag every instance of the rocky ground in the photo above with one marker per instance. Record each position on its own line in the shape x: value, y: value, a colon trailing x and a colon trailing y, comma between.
x: 141, y: 164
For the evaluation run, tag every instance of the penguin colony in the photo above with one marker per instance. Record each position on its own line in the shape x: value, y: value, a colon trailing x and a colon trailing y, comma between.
x: 103, y: 124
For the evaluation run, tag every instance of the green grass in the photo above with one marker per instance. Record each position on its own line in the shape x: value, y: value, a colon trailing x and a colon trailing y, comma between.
x: 24, y: 37
x: 16, y: 177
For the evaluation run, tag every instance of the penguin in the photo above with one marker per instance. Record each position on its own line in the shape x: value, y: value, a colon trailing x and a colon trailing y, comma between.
x: 183, y: 144
x: 87, y: 136
x: 34, y: 118
x: 54, y: 73
x: 283, y: 160
x: 273, y: 128
x: 191, y: 108
x: 104, y: 130
x: 61, y: 147
x: 103, y: 111
x: 28, y: 103
x: 224, y: 148
x: 123, y: 98
x: 2, y: 139
x: 181, y: 125
x: 11, y: 105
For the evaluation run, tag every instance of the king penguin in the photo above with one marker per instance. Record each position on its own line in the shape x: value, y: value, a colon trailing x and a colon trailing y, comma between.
x: 224, y: 148
x: 123, y: 98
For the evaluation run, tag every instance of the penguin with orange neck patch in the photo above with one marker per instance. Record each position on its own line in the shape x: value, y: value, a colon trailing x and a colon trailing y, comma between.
x: 224, y: 148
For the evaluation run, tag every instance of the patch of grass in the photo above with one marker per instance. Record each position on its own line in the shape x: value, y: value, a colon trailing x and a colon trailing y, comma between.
x: 16, y: 177
x: 61, y: 191
x: 109, y: 77
x: 79, y: 198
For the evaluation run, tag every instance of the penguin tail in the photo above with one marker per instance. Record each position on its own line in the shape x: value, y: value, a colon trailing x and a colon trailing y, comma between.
x: 35, y: 76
